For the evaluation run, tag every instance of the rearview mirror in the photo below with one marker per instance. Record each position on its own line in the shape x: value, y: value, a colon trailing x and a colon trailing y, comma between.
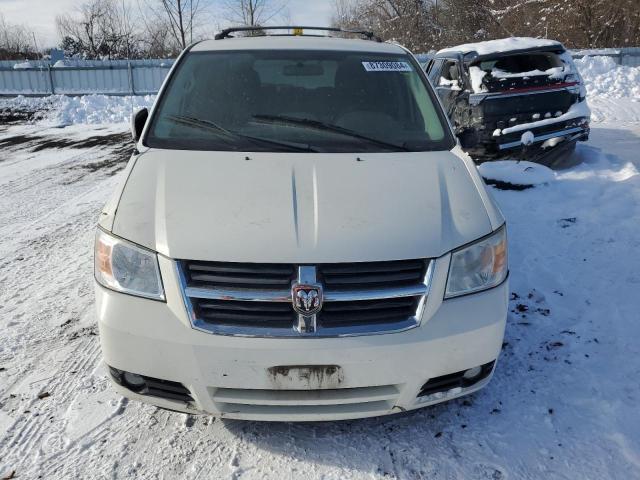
x: 468, y: 138
x: 301, y: 69
x: 138, y: 120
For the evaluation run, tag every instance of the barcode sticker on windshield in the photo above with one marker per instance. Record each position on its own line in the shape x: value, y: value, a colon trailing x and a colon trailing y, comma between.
x: 386, y: 66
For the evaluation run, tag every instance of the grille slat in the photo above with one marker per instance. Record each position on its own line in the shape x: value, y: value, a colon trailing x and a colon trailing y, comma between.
x: 245, y: 306
x: 238, y: 275
x: 365, y: 267
x: 368, y: 305
x: 260, y: 314
x: 241, y: 268
x: 359, y: 312
x: 372, y: 274
x: 238, y: 280
x: 274, y: 321
x: 359, y: 318
x: 372, y: 278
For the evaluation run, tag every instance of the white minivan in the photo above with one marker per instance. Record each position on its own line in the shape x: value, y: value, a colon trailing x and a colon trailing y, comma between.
x: 299, y: 236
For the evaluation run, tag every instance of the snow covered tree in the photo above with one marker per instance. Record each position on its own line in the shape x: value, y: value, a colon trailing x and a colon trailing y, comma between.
x: 576, y: 23
x: 430, y: 24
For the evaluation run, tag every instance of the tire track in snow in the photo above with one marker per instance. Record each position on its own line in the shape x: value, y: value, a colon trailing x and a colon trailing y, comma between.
x: 49, y: 282
x: 27, y: 432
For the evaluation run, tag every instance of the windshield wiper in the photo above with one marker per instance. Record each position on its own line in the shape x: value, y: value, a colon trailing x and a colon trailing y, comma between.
x: 199, y: 123
x: 212, y: 126
x: 307, y: 122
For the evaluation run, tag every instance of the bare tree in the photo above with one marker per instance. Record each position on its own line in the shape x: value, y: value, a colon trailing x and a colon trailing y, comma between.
x: 99, y: 29
x: 253, y: 13
x: 409, y: 22
x: 157, y: 40
x: 345, y: 14
x: 180, y: 15
x: 16, y: 41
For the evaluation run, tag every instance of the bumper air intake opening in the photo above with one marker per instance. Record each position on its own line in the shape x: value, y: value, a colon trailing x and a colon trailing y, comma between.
x: 447, y: 382
x: 153, y: 387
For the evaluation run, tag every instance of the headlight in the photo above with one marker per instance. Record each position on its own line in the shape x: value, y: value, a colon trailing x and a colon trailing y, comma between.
x: 478, y: 266
x: 127, y: 268
x: 571, y: 77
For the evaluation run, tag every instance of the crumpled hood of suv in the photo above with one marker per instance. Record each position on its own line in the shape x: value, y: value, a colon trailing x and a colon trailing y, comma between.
x: 303, y: 207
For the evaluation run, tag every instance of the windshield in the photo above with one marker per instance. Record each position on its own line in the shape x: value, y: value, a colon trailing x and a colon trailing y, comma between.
x: 293, y: 100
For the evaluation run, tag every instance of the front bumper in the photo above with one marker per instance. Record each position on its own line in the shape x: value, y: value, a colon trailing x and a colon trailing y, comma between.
x: 540, y: 135
x: 261, y: 379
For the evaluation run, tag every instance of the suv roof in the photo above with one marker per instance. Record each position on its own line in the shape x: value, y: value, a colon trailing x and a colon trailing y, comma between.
x: 300, y: 42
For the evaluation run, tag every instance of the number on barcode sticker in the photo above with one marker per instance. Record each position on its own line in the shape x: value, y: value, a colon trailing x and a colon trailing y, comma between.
x: 386, y: 66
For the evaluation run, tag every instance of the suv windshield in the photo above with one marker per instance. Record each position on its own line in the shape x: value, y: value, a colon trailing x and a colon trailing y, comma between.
x: 294, y: 100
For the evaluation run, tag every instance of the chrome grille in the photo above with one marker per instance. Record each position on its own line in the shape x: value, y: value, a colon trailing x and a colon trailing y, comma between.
x: 248, y: 299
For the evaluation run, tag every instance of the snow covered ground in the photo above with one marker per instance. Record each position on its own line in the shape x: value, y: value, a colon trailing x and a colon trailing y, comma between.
x: 562, y: 405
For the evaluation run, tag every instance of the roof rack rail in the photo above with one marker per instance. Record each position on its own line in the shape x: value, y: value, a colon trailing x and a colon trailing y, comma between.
x: 226, y: 33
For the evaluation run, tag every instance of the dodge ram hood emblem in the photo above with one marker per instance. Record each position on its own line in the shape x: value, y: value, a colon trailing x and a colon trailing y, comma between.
x: 307, y: 299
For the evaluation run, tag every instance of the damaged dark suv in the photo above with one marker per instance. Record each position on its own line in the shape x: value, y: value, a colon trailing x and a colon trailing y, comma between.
x: 513, y: 98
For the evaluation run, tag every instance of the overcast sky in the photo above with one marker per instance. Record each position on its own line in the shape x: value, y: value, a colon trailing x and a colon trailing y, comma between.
x: 39, y: 15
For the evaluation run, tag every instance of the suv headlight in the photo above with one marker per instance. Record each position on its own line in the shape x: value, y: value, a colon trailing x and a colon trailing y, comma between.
x: 479, y: 266
x: 571, y: 77
x: 125, y: 267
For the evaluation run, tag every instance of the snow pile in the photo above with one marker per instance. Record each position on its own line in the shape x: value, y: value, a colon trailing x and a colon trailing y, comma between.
x: 477, y: 75
x: 88, y: 109
x: 99, y: 108
x: 453, y: 84
x: 604, y: 77
x: 596, y: 51
x: 67, y: 62
x: 516, y: 173
x: 503, y: 45
x: 23, y: 65
x: 527, y: 138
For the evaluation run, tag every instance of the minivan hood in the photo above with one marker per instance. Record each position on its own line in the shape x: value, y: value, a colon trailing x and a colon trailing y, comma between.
x: 302, y: 207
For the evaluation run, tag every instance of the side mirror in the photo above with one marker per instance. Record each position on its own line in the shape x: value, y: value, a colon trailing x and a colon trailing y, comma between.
x: 468, y: 138
x: 138, y: 120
